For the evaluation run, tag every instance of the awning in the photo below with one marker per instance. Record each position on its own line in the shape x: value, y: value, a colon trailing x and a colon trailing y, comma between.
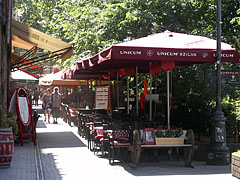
x: 62, y: 82
x: 26, y: 37
x: 26, y: 65
x: 21, y: 75
x: 54, y: 79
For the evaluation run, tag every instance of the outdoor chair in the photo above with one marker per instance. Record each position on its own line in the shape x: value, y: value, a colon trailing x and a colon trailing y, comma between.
x: 74, y: 115
x: 62, y: 110
x: 89, y: 136
x: 36, y: 116
x: 71, y: 116
x: 65, y: 116
x: 98, y: 135
x: 105, y: 140
x: 80, y: 125
x: 119, y: 142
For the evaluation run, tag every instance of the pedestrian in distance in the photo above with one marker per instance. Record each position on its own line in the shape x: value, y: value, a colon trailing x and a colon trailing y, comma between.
x: 35, y: 96
x: 46, y: 101
x: 56, y: 104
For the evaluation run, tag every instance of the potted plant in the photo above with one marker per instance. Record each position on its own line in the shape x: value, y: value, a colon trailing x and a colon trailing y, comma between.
x: 8, y: 133
x: 169, y: 136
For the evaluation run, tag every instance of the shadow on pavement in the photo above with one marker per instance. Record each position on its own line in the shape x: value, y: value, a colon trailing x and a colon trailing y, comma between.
x: 41, y: 124
x: 49, y: 167
x: 165, y: 166
x: 59, y: 140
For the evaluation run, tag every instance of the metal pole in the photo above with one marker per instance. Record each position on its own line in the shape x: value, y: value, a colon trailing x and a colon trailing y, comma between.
x: 127, y: 95
x: 150, y: 96
x: 109, y: 95
x: 218, y: 152
x: 219, y: 60
x: 168, y: 105
x: 137, y: 90
x: 117, y: 93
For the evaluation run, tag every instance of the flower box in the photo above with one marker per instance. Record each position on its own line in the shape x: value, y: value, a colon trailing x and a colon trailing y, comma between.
x: 169, y: 140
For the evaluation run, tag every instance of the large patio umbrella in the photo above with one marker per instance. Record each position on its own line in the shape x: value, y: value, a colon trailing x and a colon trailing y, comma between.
x: 182, y: 49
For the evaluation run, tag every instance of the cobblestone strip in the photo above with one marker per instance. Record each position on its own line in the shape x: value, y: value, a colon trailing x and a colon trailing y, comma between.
x: 39, y: 169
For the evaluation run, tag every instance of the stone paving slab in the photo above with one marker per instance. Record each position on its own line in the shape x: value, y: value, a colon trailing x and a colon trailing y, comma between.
x: 23, y: 164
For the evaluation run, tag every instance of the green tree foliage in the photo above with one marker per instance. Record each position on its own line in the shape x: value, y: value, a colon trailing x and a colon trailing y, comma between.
x: 92, y: 25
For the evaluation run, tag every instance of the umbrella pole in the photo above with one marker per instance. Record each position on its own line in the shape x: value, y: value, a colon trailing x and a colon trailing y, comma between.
x: 137, y: 90
x: 91, y: 94
x: 168, y: 105
x: 127, y: 95
x: 87, y: 93
x: 117, y: 93
x: 109, y: 95
x: 150, y: 96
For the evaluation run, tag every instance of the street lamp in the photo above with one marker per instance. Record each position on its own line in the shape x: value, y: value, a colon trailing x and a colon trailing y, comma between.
x: 218, y: 152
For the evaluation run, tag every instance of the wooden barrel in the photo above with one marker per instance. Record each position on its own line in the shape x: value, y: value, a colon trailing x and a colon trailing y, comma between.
x: 6, y: 147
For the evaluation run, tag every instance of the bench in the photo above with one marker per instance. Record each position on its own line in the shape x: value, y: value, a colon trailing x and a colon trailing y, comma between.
x: 137, y: 147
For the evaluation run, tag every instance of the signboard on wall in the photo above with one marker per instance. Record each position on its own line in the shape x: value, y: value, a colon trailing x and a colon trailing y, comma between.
x: 230, y: 78
x: 102, y: 97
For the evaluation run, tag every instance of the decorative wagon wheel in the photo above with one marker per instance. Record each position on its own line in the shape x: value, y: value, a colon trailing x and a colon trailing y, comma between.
x: 189, y: 151
x: 136, y: 147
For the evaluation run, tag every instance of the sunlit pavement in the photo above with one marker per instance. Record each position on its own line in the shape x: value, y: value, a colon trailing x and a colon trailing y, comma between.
x: 61, y: 154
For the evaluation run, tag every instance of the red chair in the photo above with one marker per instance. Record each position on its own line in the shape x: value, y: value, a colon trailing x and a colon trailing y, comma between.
x: 119, y: 139
x: 98, y: 135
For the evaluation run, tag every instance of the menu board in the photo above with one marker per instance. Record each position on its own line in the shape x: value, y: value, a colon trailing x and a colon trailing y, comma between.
x: 101, y: 97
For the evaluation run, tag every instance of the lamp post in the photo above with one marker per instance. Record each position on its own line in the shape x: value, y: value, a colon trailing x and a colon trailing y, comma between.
x: 218, y: 152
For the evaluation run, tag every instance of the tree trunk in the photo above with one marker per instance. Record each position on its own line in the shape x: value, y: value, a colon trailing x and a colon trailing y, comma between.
x: 4, y: 55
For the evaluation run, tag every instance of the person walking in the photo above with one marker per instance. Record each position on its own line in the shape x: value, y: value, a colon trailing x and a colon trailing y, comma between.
x: 46, y: 100
x: 35, y: 96
x: 56, y: 103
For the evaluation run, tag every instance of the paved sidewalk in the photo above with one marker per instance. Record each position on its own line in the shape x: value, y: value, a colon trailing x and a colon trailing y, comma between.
x: 61, y: 154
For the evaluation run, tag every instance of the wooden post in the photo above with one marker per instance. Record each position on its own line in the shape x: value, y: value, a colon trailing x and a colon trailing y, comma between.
x: 9, y: 47
x: 1, y: 44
